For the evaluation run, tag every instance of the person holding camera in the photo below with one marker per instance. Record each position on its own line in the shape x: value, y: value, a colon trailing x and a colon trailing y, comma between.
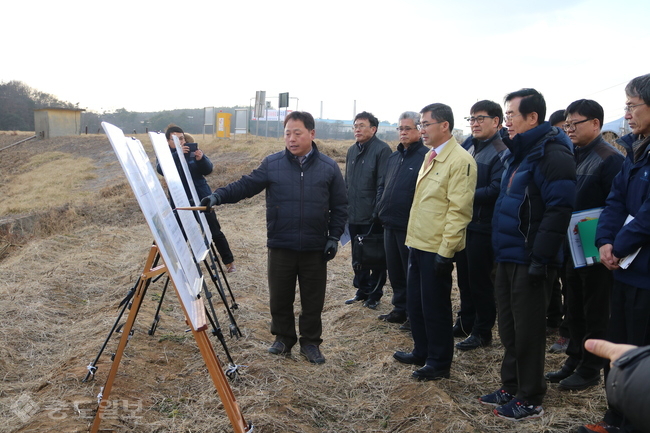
x: 199, y: 166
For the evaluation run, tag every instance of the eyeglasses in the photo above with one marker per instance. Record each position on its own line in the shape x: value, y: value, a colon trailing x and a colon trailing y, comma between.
x: 478, y: 119
x: 508, y: 117
x: 630, y: 108
x: 423, y: 126
x: 572, y: 126
x: 361, y: 126
x: 405, y: 128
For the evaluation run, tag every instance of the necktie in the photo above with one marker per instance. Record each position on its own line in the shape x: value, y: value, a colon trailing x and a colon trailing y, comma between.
x: 432, y: 154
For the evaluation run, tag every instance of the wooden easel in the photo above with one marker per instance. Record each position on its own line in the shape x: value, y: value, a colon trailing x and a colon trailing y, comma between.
x: 206, y: 348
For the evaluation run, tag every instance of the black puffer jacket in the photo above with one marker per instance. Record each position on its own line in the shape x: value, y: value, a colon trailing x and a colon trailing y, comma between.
x: 398, y: 186
x: 304, y: 205
x: 364, y: 172
x: 489, y: 155
x: 596, y: 166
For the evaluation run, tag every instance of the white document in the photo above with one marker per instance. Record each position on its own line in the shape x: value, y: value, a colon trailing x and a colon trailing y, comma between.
x: 627, y: 261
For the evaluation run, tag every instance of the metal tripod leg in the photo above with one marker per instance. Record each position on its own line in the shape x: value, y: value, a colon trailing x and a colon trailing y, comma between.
x: 156, y: 317
x: 215, y: 258
x: 125, y: 303
x: 234, y: 329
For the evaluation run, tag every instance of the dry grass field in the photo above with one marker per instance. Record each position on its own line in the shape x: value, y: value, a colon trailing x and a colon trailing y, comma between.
x: 73, y: 242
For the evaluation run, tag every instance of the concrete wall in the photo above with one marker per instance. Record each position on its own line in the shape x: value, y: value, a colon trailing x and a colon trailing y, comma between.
x: 57, y: 122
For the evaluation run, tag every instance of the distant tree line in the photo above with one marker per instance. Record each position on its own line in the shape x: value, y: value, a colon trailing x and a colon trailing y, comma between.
x: 18, y: 101
x: 17, y: 104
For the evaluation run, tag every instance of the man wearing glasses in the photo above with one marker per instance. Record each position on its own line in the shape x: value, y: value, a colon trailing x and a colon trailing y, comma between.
x: 597, y: 162
x: 441, y: 210
x: 365, y: 167
x: 529, y: 226
x: 474, y: 263
x: 629, y: 201
x: 394, y: 206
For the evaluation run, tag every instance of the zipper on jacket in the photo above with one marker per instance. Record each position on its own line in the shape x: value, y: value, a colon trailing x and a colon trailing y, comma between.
x: 527, y: 234
x: 302, y: 199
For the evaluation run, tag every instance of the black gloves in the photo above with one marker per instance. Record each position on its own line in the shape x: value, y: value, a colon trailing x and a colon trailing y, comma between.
x: 331, y: 247
x: 210, y: 201
x: 537, y: 273
x: 442, y: 266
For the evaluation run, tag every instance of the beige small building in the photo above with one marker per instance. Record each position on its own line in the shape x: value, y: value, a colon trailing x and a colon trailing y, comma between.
x: 57, y: 122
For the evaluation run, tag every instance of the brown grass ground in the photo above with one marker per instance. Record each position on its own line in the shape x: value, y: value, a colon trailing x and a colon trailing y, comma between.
x: 66, y: 266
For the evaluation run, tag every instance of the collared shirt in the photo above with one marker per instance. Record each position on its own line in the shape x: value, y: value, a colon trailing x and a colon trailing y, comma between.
x: 439, y: 148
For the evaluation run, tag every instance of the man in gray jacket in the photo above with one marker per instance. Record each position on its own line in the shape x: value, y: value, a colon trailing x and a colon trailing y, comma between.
x: 365, y: 167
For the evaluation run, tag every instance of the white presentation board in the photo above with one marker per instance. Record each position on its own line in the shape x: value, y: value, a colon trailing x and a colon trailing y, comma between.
x: 177, y: 192
x: 195, y: 196
x: 161, y: 220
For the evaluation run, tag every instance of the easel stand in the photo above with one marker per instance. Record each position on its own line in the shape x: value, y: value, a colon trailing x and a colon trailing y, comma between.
x: 207, y: 351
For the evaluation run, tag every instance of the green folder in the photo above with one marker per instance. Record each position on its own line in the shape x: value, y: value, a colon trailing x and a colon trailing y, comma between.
x: 587, y: 232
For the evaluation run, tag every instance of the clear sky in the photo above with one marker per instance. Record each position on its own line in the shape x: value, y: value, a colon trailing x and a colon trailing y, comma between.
x: 388, y: 56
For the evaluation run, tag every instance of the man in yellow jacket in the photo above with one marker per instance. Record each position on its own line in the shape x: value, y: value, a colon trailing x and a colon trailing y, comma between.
x: 441, y: 211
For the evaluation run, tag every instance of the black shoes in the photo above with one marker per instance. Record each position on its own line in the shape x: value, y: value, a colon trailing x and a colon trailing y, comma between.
x: 473, y: 342
x: 279, y: 348
x: 353, y: 300
x: 408, y: 358
x: 406, y: 326
x: 460, y: 331
x: 371, y: 303
x: 312, y: 353
x: 393, y: 317
x: 561, y: 374
x: 430, y: 373
x: 576, y: 382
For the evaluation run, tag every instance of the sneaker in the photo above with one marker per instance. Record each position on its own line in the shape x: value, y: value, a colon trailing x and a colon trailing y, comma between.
x: 279, y: 348
x: 559, y: 346
x: 230, y: 268
x: 497, y: 398
x: 600, y: 427
x: 312, y: 353
x: 517, y: 410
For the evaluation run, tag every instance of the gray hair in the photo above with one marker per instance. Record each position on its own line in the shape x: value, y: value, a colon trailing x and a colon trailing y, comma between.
x: 639, y: 87
x: 415, y: 117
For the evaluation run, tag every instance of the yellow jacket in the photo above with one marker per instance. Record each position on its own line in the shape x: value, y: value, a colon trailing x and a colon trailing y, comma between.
x: 442, y: 205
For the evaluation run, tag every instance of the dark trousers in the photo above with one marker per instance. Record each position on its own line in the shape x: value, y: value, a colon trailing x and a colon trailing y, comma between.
x: 429, y: 310
x: 474, y: 270
x: 522, y: 328
x: 629, y: 323
x: 556, y: 311
x: 587, y: 301
x: 219, y: 238
x: 397, y: 256
x: 369, y: 283
x: 310, y: 268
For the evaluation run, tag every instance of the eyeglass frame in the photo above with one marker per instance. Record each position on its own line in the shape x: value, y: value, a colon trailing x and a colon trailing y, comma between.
x: 508, y: 117
x: 478, y: 119
x: 355, y: 127
x: 630, y: 108
x: 407, y: 128
x: 572, y: 126
x: 424, y: 125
